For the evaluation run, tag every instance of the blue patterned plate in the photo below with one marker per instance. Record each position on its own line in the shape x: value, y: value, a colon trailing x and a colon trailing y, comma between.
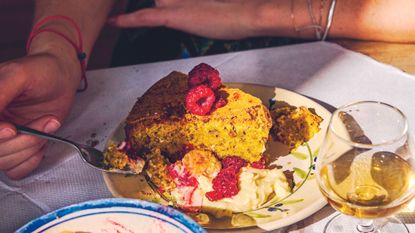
x: 114, y: 215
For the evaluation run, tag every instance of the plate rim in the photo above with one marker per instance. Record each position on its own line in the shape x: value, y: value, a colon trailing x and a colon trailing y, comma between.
x: 172, y: 213
x: 275, y: 224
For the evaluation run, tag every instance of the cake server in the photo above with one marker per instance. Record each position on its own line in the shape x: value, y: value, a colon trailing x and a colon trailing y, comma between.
x: 90, y: 155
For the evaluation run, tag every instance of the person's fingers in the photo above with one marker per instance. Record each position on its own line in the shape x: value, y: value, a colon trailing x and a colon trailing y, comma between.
x: 7, y: 131
x: 150, y: 17
x: 213, y: 19
x: 26, y: 167
x: 12, y: 83
x: 10, y: 161
x: 48, y: 124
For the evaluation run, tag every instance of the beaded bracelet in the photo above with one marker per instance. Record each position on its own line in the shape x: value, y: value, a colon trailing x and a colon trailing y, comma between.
x: 79, y: 49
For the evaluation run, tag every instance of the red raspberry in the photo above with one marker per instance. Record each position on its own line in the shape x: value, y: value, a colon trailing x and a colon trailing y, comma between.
x: 199, y: 100
x: 188, y: 180
x: 233, y: 161
x: 172, y: 172
x: 214, y: 195
x: 260, y: 164
x: 220, y: 102
x: 204, y: 74
x: 184, y: 179
x: 225, y: 184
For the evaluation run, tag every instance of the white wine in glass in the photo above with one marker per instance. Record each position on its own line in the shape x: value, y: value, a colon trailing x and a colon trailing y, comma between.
x: 365, y: 167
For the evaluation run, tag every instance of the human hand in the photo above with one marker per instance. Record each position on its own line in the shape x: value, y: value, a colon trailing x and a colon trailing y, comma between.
x: 36, y: 91
x: 217, y: 19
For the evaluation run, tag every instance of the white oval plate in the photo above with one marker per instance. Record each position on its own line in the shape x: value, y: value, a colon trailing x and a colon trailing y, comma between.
x: 304, y: 201
x: 113, y: 215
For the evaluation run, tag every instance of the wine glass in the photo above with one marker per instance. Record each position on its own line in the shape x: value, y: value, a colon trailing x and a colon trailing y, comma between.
x: 365, y: 168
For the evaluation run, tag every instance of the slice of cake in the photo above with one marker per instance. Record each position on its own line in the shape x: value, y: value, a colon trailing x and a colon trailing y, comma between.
x: 159, y: 119
x: 203, y: 143
x: 293, y: 125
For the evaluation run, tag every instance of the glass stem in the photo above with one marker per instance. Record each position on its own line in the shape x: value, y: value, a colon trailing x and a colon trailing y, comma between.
x: 365, y: 226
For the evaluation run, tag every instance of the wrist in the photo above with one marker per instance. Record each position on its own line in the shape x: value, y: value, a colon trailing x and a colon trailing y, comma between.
x: 272, y: 18
x: 60, y: 36
x: 62, y: 52
x: 287, y: 18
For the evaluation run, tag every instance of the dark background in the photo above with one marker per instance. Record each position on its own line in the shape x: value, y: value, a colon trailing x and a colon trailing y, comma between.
x: 16, y: 21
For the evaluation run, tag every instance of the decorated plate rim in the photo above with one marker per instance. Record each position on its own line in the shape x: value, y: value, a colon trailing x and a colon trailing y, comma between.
x: 109, y: 203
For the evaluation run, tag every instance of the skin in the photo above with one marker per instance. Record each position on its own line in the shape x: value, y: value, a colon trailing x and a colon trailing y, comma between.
x: 381, y: 20
x: 38, y: 90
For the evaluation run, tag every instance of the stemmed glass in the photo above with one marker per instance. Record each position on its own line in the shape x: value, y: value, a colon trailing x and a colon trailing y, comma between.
x: 365, y: 168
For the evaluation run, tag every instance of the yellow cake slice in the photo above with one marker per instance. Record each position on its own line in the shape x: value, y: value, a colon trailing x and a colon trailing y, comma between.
x: 294, y: 125
x: 159, y: 120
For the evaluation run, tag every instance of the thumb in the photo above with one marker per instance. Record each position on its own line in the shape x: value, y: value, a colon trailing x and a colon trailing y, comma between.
x: 47, y: 124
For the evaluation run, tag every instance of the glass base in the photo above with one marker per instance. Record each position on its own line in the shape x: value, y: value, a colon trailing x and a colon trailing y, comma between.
x: 343, y: 223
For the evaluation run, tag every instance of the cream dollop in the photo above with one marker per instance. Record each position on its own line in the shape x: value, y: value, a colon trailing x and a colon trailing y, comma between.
x: 256, y: 187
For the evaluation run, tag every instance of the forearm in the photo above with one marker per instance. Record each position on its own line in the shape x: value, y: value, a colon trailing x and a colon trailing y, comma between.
x: 90, y: 15
x: 383, y: 20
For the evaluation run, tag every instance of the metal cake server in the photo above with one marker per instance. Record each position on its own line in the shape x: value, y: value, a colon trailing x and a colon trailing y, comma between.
x: 90, y: 155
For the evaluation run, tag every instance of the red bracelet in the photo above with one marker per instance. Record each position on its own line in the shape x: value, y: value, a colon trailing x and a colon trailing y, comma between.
x: 80, y: 53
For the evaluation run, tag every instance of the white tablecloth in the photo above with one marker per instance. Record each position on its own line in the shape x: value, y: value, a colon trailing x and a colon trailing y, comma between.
x: 321, y: 70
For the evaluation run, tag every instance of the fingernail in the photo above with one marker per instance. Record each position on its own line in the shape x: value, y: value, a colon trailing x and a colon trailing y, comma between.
x: 52, y: 126
x: 6, y: 133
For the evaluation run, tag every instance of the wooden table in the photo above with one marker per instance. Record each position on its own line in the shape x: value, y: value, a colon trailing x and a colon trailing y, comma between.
x: 401, y: 56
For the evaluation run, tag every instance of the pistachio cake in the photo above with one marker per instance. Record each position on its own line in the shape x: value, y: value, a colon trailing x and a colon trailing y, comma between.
x: 293, y: 125
x: 159, y: 120
x: 203, y: 142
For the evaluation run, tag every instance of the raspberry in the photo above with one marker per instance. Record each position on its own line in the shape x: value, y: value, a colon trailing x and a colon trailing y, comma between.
x: 225, y: 181
x: 258, y: 164
x: 199, y: 100
x: 204, y: 74
x: 214, y: 196
x: 188, y: 180
x: 183, y: 179
x: 225, y: 184
x: 172, y: 172
x: 220, y: 102
x: 233, y: 161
